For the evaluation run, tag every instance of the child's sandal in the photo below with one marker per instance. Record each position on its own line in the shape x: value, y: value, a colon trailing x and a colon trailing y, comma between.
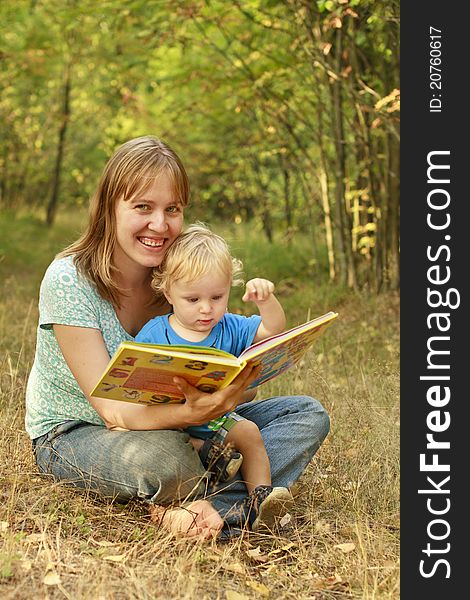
x: 221, y: 461
x: 269, y: 505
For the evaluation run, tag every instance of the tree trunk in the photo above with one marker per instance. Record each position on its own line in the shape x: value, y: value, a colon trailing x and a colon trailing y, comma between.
x: 65, y: 115
x: 287, y: 195
x: 325, y: 198
x: 267, y: 224
x: 345, y: 260
x: 4, y: 177
x: 328, y: 224
x: 393, y: 237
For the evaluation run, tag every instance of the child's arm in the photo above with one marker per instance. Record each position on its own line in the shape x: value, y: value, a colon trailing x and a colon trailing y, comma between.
x: 273, y: 319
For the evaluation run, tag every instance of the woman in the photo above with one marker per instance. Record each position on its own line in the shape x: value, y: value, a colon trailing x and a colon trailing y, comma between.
x: 96, y: 294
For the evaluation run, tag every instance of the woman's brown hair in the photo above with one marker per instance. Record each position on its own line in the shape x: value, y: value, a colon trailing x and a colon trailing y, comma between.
x: 132, y: 169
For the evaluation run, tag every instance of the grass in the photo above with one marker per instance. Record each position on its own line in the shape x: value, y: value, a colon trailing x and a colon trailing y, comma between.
x: 59, y: 543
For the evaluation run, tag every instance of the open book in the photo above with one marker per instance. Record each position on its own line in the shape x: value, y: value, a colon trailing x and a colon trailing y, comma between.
x: 143, y: 373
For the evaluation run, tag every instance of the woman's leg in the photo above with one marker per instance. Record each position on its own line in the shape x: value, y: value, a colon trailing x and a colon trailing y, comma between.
x: 293, y: 428
x: 155, y: 466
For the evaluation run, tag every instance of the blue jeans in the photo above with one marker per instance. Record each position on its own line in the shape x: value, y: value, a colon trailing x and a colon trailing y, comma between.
x: 162, y: 467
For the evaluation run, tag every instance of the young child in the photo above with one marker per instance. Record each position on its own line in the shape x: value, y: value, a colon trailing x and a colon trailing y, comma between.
x: 195, y: 277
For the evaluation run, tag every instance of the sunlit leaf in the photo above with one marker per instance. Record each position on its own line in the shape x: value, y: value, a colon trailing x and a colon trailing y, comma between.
x: 257, y: 555
x: 235, y: 567
x: 51, y: 578
x: 260, y: 588
x: 233, y: 595
x: 115, y: 557
x: 346, y: 547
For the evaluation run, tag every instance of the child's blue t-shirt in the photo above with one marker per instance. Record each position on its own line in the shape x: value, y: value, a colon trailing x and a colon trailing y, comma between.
x: 233, y: 333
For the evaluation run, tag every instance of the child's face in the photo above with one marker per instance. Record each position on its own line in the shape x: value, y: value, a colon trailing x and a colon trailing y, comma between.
x: 199, y: 305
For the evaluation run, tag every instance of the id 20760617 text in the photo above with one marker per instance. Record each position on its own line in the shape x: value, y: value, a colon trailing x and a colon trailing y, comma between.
x: 435, y: 69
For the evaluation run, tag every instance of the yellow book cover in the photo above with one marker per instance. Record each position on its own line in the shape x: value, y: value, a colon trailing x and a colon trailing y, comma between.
x: 143, y: 373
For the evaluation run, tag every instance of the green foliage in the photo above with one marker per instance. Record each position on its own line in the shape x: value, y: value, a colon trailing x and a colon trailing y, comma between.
x: 7, y: 562
x: 26, y: 241
x: 241, y: 90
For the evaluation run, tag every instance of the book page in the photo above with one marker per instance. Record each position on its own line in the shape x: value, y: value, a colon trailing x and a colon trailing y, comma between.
x: 275, y: 340
x: 284, y: 351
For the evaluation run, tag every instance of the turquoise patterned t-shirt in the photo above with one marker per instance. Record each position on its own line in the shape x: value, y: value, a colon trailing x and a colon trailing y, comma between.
x: 52, y: 394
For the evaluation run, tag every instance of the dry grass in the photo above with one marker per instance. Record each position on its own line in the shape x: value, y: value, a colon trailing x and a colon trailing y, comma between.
x: 59, y: 543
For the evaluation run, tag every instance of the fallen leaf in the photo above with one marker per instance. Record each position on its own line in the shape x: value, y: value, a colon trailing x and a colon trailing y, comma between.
x: 256, y: 554
x: 213, y: 556
x: 4, y: 525
x: 26, y: 565
x: 233, y: 595
x: 347, y: 547
x: 51, y: 578
x: 322, y: 526
x: 258, y: 587
x: 283, y: 549
x: 285, y: 519
x: 104, y: 543
x: 352, y: 452
x: 288, y: 546
x: 235, y: 567
x: 115, y: 557
x: 269, y: 570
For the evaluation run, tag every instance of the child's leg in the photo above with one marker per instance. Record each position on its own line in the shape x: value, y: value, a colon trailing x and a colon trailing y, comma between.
x: 266, y: 506
x: 221, y: 460
x: 245, y: 437
x: 196, y: 442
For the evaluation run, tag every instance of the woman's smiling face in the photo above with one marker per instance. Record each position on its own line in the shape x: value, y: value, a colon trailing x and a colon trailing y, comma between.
x: 146, y: 225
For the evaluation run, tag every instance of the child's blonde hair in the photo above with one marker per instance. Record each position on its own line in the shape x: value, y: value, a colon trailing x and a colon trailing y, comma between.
x: 195, y: 253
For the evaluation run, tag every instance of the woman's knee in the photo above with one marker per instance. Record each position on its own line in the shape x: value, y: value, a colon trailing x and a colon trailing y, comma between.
x: 316, y: 414
x: 159, y: 465
x: 172, y: 470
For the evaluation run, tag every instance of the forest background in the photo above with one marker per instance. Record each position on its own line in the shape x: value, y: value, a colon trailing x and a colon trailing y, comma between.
x: 286, y: 116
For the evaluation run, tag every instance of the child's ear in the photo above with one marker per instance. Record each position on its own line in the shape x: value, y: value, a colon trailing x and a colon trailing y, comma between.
x: 168, y: 297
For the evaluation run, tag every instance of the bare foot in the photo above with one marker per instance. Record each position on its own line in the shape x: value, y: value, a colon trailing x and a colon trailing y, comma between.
x: 197, y: 519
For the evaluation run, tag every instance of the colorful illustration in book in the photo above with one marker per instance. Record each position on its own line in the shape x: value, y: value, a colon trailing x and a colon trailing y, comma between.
x: 158, y: 399
x: 196, y: 365
x: 207, y: 388
x: 129, y: 361
x: 132, y: 394
x: 108, y: 387
x: 216, y: 375
x: 161, y: 360
x: 119, y: 373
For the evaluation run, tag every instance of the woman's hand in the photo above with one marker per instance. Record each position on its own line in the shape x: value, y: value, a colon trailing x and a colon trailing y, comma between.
x: 202, y: 407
